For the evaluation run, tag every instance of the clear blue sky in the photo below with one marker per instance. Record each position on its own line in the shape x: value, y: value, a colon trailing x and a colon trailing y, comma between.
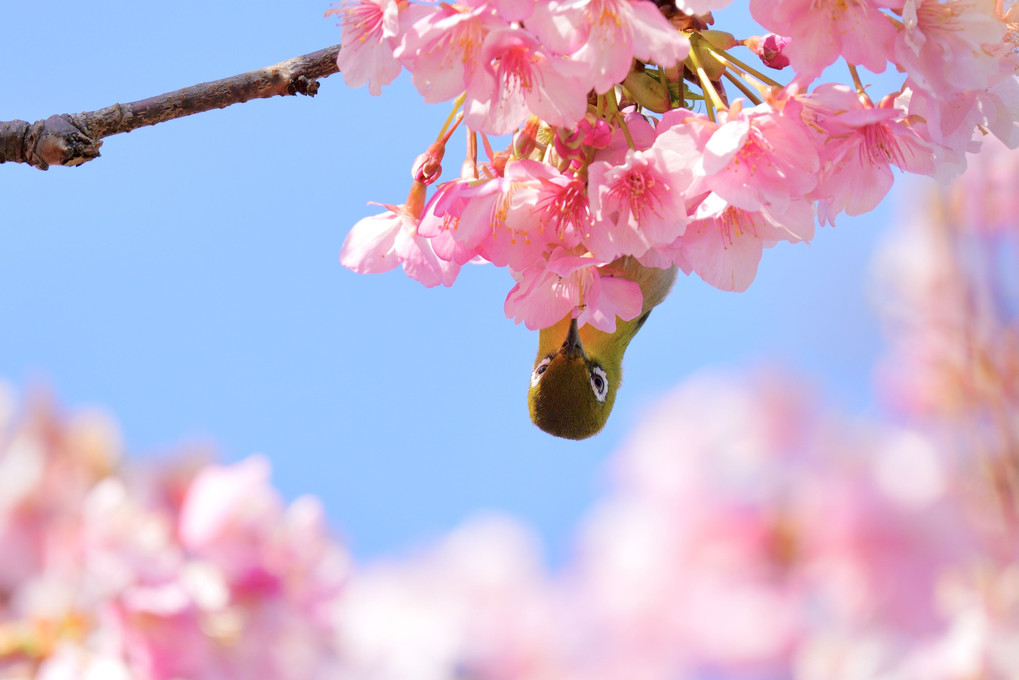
x: 188, y: 281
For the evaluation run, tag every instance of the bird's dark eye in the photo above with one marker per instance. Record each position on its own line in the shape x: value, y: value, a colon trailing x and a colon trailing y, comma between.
x: 539, y: 370
x: 599, y: 383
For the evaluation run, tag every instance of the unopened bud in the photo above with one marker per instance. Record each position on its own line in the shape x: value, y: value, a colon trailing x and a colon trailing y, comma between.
x: 526, y: 139
x: 590, y: 132
x: 770, y: 49
x: 428, y: 166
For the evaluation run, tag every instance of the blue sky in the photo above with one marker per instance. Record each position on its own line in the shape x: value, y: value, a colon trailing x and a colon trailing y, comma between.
x: 188, y: 281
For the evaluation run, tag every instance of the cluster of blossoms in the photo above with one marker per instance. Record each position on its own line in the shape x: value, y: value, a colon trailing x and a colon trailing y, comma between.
x: 626, y: 142
x: 115, y: 571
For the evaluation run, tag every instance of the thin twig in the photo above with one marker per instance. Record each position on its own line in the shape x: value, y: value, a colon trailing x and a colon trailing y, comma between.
x: 73, y: 139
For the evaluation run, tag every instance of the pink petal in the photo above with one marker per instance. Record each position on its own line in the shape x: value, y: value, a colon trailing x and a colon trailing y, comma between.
x: 368, y: 248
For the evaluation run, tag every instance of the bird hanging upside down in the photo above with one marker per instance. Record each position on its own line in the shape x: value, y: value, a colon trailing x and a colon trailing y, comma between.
x: 577, y: 371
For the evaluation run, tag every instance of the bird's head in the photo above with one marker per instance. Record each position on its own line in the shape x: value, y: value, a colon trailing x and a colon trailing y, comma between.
x: 572, y: 391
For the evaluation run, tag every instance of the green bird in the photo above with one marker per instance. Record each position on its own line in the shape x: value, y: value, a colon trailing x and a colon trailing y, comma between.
x: 578, y: 371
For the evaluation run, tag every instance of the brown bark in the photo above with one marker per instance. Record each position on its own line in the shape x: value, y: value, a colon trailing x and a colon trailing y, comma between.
x: 74, y: 138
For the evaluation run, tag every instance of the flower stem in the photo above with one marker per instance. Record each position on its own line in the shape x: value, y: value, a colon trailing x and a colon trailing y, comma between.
x: 711, y: 98
x: 860, y: 89
x: 742, y: 87
x: 457, y: 103
x: 613, y: 111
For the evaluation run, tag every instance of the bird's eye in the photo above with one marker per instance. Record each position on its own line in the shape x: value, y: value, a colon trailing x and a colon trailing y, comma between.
x: 599, y: 383
x: 539, y: 370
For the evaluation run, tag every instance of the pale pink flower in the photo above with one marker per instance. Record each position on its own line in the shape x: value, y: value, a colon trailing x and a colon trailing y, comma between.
x: 982, y: 611
x: 441, y: 45
x: 756, y: 158
x: 955, y: 121
x: 381, y: 242
x: 606, y: 36
x: 945, y: 45
x: 366, y: 55
x: 516, y: 233
x: 1000, y: 104
x: 948, y: 122
x: 939, y: 283
x: 440, y: 224
x: 558, y: 203
x: 639, y: 203
x: 863, y: 143
x: 574, y: 284
x: 112, y: 592
x: 220, y: 497
x: 724, y: 243
x: 519, y: 78
x: 493, y: 219
x: 822, y: 30
x: 510, y: 220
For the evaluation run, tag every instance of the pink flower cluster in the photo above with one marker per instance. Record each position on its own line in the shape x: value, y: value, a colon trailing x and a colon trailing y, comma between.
x: 190, y: 570
x: 625, y: 141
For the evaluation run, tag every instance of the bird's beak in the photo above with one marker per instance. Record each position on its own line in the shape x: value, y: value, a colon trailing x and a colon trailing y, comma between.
x: 572, y: 347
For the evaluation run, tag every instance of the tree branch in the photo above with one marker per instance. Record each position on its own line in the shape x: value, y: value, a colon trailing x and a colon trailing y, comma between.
x: 74, y: 138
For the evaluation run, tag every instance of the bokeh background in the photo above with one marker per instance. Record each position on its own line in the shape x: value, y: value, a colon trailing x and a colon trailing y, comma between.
x: 188, y: 281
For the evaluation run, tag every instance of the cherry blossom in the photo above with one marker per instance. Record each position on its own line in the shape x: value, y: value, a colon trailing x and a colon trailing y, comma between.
x: 863, y: 142
x: 569, y: 284
x: 366, y: 55
x: 518, y: 78
x: 758, y: 158
x: 942, y: 46
x: 606, y: 35
x: 638, y: 203
x: 441, y: 45
x: 382, y: 242
x: 821, y: 31
x: 724, y: 243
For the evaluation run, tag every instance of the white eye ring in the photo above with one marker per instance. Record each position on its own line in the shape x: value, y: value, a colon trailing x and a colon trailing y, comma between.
x: 599, y: 383
x: 539, y: 370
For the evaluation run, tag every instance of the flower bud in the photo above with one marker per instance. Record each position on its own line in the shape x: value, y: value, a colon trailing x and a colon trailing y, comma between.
x: 770, y: 49
x: 428, y: 166
x: 590, y: 132
x: 526, y: 139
